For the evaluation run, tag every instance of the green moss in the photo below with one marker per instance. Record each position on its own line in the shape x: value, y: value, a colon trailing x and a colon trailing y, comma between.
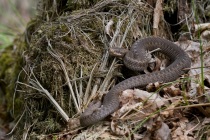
x: 10, y: 60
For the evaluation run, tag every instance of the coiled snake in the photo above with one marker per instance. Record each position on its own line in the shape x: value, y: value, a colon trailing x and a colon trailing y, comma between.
x: 137, y: 59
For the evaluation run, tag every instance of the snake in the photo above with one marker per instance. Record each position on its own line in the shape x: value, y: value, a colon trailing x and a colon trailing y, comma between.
x: 137, y: 59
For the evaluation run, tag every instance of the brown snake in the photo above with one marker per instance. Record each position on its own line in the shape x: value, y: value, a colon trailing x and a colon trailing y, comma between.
x: 137, y: 59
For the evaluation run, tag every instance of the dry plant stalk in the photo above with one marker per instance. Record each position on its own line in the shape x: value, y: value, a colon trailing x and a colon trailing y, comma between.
x: 158, y: 13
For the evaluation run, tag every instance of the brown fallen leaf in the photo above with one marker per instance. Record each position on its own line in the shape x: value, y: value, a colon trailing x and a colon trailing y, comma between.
x: 205, y: 35
x: 119, y: 129
x: 108, y: 27
x: 73, y: 123
x: 128, y: 103
x: 151, y: 98
x: 152, y: 87
x: 172, y: 91
x: 163, y: 132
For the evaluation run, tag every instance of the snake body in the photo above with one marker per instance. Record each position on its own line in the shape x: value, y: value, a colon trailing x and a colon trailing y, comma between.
x: 137, y: 59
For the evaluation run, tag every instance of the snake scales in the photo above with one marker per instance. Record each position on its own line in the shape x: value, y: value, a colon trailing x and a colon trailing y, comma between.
x: 137, y: 59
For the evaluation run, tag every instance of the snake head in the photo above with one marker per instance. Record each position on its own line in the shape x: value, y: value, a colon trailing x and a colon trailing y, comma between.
x: 117, y: 52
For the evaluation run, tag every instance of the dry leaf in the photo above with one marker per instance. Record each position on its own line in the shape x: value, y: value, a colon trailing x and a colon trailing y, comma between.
x: 164, y: 132
x: 122, y: 130
x: 108, y: 27
x: 205, y: 35
x: 127, y: 102
x: 172, y: 91
x: 206, y: 121
x: 73, y: 123
x: 151, y: 98
x: 202, y: 26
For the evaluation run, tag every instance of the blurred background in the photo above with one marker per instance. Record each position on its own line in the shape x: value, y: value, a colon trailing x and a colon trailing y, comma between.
x: 14, y: 16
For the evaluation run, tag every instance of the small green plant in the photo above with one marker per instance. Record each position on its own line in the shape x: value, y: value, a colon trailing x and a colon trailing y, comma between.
x: 201, y: 45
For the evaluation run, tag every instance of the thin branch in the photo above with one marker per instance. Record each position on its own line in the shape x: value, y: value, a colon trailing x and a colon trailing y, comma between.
x: 51, y: 99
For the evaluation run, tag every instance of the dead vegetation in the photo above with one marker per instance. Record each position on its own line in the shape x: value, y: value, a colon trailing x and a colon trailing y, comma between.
x: 67, y: 65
